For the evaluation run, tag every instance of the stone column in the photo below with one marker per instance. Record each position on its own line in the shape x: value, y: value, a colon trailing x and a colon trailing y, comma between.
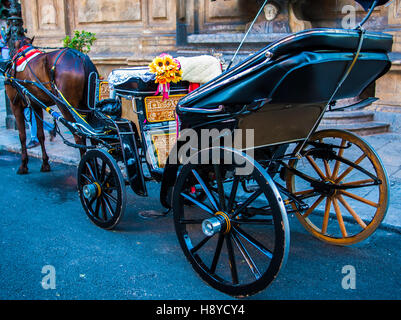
x: 388, y: 88
x: 15, y: 30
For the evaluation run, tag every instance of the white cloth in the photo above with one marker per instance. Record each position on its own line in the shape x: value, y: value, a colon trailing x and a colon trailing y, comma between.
x: 23, y: 65
x: 120, y: 76
x: 199, y: 69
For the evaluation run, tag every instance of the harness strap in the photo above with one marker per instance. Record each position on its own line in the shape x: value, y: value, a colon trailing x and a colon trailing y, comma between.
x: 53, y: 68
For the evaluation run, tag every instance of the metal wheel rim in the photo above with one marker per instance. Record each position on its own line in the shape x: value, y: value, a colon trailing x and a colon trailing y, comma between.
x: 107, y: 209
x: 382, y: 202
x: 279, y: 253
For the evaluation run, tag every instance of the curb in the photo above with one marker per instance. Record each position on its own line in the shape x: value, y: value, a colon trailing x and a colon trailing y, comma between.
x: 38, y: 154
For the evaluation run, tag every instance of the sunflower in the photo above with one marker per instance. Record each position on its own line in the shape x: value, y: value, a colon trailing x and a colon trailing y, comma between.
x: 157, y: 65
x: 167, y: 70
x: 169, y: 62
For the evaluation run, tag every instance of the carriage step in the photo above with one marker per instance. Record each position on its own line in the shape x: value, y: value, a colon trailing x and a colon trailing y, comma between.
x: 362, y: 128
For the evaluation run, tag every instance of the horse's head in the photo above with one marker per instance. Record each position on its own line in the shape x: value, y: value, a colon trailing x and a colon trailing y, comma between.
x: 19, y: 43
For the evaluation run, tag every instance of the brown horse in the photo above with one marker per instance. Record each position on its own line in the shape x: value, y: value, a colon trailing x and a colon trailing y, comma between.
x: 70, y: 74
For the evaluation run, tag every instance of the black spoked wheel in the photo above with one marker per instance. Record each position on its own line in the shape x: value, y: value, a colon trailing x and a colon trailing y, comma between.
x: 236, y: 241
x: 101, y: 188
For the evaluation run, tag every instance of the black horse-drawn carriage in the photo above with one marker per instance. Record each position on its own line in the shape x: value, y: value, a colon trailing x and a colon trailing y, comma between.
x: 230, y: 203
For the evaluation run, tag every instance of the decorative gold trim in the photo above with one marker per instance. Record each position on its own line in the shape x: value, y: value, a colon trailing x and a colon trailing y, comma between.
x: 165, y: 112
x: 161, y: 159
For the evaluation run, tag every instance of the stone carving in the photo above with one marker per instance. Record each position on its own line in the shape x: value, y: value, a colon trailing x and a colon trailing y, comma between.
x: 223, y: 8
x: 296, y: 20
x: 271, y: 11
x: 395, y: 12
x: 282, y: 16
x: 159, y: 9
x: 275, y: 18
x: 48, y: 14
x: 95, y: 11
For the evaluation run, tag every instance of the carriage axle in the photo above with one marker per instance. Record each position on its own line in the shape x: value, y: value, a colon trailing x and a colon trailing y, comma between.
x: 219, y: 223
x: 92, y: 190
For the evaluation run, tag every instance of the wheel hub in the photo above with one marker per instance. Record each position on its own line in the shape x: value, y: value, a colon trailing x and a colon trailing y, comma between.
x: 326, y: 188
x: 219, y: 223
x: 91, y: 191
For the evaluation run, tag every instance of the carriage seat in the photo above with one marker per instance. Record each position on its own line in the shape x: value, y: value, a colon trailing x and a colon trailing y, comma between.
x: 110, y: 107
x: 139, y: 82
x: 302, y: 68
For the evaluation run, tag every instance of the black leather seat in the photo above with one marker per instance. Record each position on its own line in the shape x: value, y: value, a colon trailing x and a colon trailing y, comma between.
x: 110, y: 107
x: 303, y: 68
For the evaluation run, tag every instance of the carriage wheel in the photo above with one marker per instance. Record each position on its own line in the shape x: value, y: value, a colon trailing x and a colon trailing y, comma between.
x: 362, y: 198
x: 101, y: 188
x: 236, y: 242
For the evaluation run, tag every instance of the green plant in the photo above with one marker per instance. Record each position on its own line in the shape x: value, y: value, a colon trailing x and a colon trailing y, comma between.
x: 82, y: 41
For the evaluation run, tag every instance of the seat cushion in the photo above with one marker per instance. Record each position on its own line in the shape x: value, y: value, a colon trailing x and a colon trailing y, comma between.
x: 110, y: 107
x: 138, y: 81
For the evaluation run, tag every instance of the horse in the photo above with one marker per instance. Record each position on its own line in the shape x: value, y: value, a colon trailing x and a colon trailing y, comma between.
x: 64, y: 71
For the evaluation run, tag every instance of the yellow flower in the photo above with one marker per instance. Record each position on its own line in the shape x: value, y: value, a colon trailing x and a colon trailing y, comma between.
x: 169, y: 62
x: 157, y: 65
x: 166, y: 68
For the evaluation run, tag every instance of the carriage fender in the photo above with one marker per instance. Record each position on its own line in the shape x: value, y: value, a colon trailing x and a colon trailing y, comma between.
x: 168, y: 181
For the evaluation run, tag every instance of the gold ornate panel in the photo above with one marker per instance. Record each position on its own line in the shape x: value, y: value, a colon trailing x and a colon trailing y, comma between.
x: 104, y: 90
x: 158, y: 110
x: 163, y: 143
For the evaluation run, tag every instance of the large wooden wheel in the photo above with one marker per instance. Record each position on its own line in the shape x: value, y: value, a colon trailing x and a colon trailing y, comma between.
x: 235, y: 241
x: 345, y: 187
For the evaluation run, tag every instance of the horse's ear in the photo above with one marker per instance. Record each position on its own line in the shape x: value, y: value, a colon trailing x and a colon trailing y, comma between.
x: 33, y: 38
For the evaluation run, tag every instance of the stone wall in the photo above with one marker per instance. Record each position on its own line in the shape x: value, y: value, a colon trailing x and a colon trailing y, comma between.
x: 128, y: 31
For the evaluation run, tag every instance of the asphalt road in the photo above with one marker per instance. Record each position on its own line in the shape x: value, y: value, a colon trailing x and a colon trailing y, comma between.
x: 42, y: 224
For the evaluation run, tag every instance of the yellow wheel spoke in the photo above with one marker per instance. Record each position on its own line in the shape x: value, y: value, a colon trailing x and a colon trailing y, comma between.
x: 340, y: 154
x: 360, y: 199
x: 346, y: 172
x: 313, y: 207
x: 339, y: 218
x: 316, y: 167
x: 358, y: 183
x: 328, y: 170
x: 350, y: 195
x: 301, y: 193
x: 352, y: 212
x: 326, y: 215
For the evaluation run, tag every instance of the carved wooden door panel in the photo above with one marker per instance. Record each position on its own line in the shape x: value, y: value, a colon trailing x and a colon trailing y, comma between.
x: 221, y: 15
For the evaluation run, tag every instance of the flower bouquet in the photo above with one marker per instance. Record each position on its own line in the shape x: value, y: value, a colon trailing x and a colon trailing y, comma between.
x: 167, y: 70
